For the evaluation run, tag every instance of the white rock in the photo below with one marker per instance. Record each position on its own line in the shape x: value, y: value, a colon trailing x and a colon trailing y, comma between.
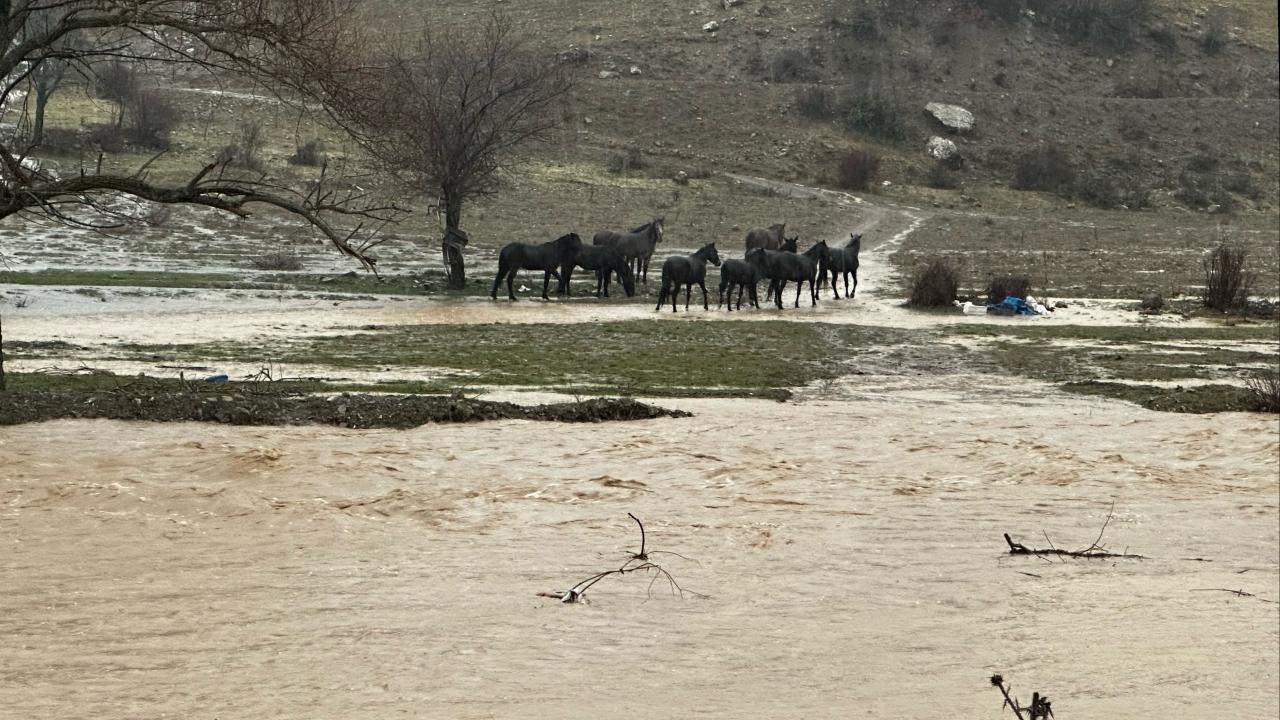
x: 940, y: 148
x: 711, y: 26
x: 635, y: 70
x: 608, y: 74
x: 952, y: 116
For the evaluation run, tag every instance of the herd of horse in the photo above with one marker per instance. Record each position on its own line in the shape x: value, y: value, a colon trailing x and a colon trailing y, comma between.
x: 770, y: 255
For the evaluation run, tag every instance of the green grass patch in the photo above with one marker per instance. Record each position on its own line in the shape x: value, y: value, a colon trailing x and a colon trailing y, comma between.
x: 1198, y: 399
x: 646, y: 357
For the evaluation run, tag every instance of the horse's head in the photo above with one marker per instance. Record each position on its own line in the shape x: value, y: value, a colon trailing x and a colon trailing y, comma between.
x: 623, y: 268
x: 709, y: 252
x: 656, y: 226
x: 819, y: 251
x: 855, y: 242
x: 570, y: 241
x: 778, y: 230
x: 791, y: 244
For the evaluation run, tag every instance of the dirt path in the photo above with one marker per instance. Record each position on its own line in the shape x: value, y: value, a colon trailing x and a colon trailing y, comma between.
x: 850, y: 552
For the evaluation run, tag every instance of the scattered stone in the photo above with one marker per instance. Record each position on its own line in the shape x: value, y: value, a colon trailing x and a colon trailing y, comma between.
x: 1195, y: 73
x: 951, y: 116
x: 727, y: 4
x: 575, y: 55
x: 940, y: 148
x: 635, y: 70
x: 681, y: 178
x: 1152, y: 302
x: 1060, y: 305
x: 711, y: 26
x: 608, y: 74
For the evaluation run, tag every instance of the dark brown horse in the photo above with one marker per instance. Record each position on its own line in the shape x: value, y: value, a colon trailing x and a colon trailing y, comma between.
x: 636, y: 246
x: 687, y: 270
x: 769, y: 238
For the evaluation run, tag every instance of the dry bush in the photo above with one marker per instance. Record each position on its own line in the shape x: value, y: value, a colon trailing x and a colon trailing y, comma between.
x: 816, y: 103
x: 942, y: 176
x: 1265, y: 387
x: 858, y: 169
x: 935, y: 283
x: 310, y: 154
x: 1105, y: 22
x: 1226, y: 278
x: 792, y: 65
x: 1004, y: 286
x: 625, y: 160
x: 1216, y: 34
x: 277, y: 261
x: 150, y: 117
x: 1116, y: 190
x: 1046, y: 168
x: 874, y: 114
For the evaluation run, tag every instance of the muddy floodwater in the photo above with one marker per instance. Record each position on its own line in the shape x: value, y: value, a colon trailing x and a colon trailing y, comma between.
x: 846, y: 557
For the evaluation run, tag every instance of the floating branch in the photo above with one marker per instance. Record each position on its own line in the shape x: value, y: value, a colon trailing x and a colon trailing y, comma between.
x: 1238, y: 593
x: 1094, y: 551
x: 637, y: 562
x: 1039, y: 709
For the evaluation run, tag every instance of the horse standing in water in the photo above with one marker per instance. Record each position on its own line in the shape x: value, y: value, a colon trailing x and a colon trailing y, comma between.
x: 844, y: 262
x: 742, y: 274
x: 769, y: 238
x: 686, y: 270
x: 782, y: 267
x: 604, y: 262
x: 636, y: 246
x: 546, y: 257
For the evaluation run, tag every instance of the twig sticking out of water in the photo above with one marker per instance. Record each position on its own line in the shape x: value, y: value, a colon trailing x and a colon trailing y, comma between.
x: 1039, y: 709
x: 1094, y: 551
x: 637, y: 562
x: 1238, y: 593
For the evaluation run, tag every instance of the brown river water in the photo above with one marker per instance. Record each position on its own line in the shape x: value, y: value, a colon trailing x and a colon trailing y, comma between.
x: 847, y: 554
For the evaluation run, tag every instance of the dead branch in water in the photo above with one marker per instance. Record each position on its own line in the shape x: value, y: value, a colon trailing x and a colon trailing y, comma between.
x: 1238, y: 593
x: 1094, y: 551
x: 637, y: 562
x: 1039, y: 709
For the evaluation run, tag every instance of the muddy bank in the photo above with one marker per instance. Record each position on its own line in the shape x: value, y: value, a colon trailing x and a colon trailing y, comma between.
x: 241, y: 407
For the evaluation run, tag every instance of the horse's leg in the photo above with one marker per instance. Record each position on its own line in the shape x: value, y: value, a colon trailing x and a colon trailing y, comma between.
x: 497, y: 280
x: 703, y: 284
x: 777, y: 286
x: 799, y: 287
x: 835, y: 284
x: 511, y: 278
x: 688, y: 290
x: 855, y: 283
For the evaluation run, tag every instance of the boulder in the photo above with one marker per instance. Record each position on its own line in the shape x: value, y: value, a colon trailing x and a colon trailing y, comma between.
x: 940, y: 148
x: 681, y: 178
x: 727, y: 4
x: 635, y: 70
x: 575, y: 55
x: 711, y: 26
x: 951, y: 116
x: 608, y: 74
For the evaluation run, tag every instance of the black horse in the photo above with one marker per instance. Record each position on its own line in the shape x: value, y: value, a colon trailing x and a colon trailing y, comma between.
x: 784, y: 267
x: 604, y: 262
x: 789, y: 244
x: 636, y: 246
x: 844, y: 262
x: 742, y: 274
x: 687, y: 270
x: 546, y: 257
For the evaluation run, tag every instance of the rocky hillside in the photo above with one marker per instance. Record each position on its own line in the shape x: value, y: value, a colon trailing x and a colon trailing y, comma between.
x: 1160, y: 103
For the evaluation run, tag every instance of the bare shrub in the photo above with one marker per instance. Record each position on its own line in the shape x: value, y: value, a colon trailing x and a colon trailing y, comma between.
x: 943, y: 177
x: 1007, y: 10
x: 116, y: 81
x: 310, y: 154
x: 1226, y: 278
x: 1215, y: 35
x: 628, y: 159
x: 1105, y: 22
x: 874, y: 114
x: 792, y: 65
x: 1003, y: 286
x: 1265, y: 387
x: 935, y: 283
x: 1112, y: 191
x: 151, y: 117
x: 252, y: 140
x: 858, y: 169
x: 277, y: 261
x: 1046, y: 167
x: 816, y: 103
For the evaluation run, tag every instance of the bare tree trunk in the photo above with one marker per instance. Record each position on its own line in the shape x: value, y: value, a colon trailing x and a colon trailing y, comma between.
x: 453, y: 262
x: 37, y: 127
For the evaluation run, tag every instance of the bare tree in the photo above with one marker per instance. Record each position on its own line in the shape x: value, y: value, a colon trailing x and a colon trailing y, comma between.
x: 274, y: 42
x: 449, y: 113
